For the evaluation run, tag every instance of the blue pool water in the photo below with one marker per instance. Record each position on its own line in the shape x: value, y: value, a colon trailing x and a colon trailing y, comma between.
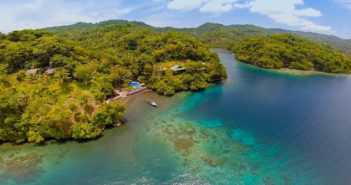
x: 257, y: 127
x: 134, y: 84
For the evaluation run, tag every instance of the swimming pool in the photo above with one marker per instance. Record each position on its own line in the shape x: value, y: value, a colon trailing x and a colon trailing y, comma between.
x: 134, y: 84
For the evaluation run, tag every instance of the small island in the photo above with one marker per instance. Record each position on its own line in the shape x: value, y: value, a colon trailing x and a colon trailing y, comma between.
x: 55, y: 85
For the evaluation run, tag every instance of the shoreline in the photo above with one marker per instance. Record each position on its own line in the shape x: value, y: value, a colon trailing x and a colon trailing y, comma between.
x: 294, y: 72
x: 288, y: 71
x: 127, y: 100
x: 306, y: 73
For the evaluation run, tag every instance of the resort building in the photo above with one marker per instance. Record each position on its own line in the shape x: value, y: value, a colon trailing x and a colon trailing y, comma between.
x: 32, y: 71
x: 178, y: 68
x: 50, y: 71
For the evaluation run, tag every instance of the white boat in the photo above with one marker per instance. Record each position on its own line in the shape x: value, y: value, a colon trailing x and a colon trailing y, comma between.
x: 151, y: 102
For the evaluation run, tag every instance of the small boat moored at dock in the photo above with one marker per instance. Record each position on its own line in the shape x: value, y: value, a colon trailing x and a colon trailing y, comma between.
x: 151, y: 102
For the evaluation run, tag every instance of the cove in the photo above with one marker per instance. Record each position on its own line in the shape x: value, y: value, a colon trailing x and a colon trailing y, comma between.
x: 257, y: 127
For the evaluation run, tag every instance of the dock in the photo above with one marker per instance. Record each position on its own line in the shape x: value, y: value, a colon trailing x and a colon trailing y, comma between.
x: 123, y: 94
x: 136, y: 90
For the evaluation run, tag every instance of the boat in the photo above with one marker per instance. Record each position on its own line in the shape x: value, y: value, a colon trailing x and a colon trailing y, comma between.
x: 151, y: 102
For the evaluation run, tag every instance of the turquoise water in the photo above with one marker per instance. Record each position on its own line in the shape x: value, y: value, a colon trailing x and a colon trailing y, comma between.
x: 134, y: 84
x: 257, y: 127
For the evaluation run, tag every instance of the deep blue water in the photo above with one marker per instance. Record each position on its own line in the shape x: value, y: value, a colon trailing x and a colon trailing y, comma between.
x: 308, y: 118
x: 257, y: 127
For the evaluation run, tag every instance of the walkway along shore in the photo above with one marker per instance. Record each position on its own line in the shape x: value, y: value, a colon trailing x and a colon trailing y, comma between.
x: 123, y: 94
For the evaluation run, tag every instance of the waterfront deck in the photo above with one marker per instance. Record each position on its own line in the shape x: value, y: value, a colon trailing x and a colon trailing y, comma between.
x: 136, y: 90
x: 122, y: 94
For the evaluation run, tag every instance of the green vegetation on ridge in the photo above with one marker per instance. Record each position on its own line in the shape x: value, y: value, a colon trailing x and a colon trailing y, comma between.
x: 90, y: 65
x: 92, y: 60
x: 222, y: 36
x: 142, y: 52
x: 294, y: 52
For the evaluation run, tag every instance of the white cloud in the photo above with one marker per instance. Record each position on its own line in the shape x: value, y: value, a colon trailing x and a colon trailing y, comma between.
x: 218, y: 6
x: 285, y: 12
x: 185, y: 5
x: 30, y: 14
x: 242, y: 5
x: 345, y: 3
x: 280, y: 11
x: 165, y: 19
x: 210, y: 6
x: 21, y: 14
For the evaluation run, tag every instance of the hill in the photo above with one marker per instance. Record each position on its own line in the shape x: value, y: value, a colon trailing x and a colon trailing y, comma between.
x: 219, y: 35
x: 89, y: 65
x: 339, y: 43
x: 293, y: 52
x: 83, y: 25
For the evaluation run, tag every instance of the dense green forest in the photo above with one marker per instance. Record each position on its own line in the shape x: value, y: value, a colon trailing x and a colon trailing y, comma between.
x: 221, y: 36
x: 218, y: 35
x: 82, y: 25
x: 90, y: 64
x: 294, y: 52
x: 147, y: 56
x: 92, y: 60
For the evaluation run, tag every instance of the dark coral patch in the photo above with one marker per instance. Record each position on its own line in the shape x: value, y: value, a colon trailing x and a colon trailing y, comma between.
x: 22, y: 168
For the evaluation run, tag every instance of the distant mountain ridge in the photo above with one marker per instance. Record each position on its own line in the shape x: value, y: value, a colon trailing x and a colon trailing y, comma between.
x: 219, y: 35
x: 83, y: 25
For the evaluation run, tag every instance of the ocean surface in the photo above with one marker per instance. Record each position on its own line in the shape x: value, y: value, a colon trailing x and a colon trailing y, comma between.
x: 257, y: 127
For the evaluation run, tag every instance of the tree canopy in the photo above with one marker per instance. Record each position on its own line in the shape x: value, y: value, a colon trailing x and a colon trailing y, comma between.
x: 219, y: 35
x: 89, y: 65
x: 142, y: 54
x: 294, y: 52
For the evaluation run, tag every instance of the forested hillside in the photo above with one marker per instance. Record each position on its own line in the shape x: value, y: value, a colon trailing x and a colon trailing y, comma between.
x: 294, y: 52
x: 89, y: 65
x: 218, y: 35
x: 82, y: 25
x: 341, y: 44
x: 221, y: 36
x: 92, y: 60
x: 145, y: 54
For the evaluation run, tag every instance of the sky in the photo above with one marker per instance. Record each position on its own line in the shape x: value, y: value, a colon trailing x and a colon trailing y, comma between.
x: 321, y: 16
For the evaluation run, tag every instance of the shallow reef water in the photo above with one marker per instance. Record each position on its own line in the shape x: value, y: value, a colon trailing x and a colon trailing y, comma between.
x: 258, y: 127
x: 21, y: 168
x: 216, y: 154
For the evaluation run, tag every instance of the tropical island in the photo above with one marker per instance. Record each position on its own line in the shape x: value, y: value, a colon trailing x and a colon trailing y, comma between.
x: 56, y: 87
x: 56, y: 83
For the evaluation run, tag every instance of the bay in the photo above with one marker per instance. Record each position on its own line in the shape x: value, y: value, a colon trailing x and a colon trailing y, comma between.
x: 257, y: 127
